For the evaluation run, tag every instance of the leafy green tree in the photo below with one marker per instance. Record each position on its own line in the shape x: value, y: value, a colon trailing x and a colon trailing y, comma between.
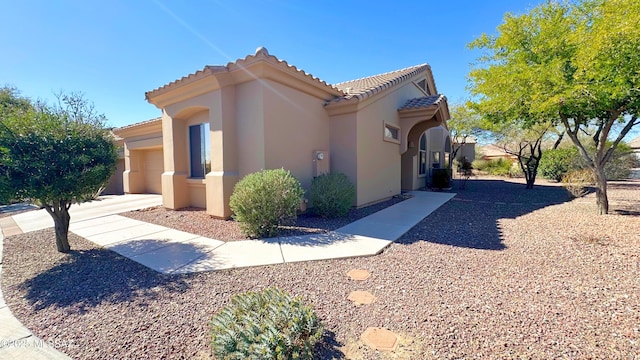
x: 573, y: 63
x: 54, y: 155
x: 463, y: 125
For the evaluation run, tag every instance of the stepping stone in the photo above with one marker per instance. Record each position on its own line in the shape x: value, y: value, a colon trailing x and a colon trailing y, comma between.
x: 358, y: 274
x: 361, y: 297
x: 380, y: 339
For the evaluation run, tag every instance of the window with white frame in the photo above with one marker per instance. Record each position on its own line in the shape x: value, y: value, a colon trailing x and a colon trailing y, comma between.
x: 199, y: 150
x: 391, y: 133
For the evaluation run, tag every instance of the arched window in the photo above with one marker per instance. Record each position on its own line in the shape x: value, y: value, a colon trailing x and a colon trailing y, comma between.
x: 422, y: 155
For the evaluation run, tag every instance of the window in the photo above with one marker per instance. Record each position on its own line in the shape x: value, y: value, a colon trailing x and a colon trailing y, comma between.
x: 392, y: 133
x: 435, y: 159
x: 422, y: 155
x: 422, y: 84
x: 199, y: 150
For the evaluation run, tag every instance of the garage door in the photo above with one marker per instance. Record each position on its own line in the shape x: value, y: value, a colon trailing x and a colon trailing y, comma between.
x: 153, y: 169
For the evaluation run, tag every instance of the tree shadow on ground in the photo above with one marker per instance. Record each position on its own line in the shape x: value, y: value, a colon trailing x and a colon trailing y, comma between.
x: 328, y: 347
x: 470, y: 219
x: 87, y: 278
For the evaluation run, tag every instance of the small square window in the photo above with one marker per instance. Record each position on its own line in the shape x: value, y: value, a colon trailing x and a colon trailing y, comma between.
x: 391, y: 133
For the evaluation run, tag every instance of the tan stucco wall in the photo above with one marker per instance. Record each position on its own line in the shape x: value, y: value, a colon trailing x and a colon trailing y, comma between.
x: 295, y: 125
x: 250, y: 127
x: 379, y: 161
x: 344, y: 148
x: 115, y: 185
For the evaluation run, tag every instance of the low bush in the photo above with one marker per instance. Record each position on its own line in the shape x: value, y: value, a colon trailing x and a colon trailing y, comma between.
x: 264, y: 200
x: 497, y: 167
x: 265, y: 325
x: 556, y: 162
x: 576, y: 182
x: 332, y: 195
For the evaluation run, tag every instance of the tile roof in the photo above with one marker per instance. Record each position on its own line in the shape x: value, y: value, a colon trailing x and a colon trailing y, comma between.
x: 422, y: 102
x: 354, y: 90
x: 365, y: 87
x: 141, y: 123
x: 261, y: 54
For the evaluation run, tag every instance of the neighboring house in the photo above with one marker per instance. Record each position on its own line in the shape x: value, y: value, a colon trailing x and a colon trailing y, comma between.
x: 493, y: 152
x: 635, y: 146
x: 223, y: 122
x: 465, y: 149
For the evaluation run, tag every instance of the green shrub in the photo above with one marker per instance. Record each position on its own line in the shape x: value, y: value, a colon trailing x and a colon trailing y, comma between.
x: 264, y: 200
x: 332, y: 195
x: 480, y: 164
x: 619, y: 167
x: 497, y: 167
x: 441, y: 178
x: 556, y: 162
x: 265, y: 325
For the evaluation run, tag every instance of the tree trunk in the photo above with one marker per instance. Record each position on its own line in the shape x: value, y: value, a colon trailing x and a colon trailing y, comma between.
x: 602, y: 200
x: 60, y: 214
x: 531, y: 178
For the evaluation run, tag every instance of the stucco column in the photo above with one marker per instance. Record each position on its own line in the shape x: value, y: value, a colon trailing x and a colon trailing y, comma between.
x: 132, y: 178
x: 224, y: 161
x: 175, y: 193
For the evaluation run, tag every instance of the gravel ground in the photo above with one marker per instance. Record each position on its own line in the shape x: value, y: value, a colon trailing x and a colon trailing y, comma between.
x: 497, y: 272
x: 197, y: 221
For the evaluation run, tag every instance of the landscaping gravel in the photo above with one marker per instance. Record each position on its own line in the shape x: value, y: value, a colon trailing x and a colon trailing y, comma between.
x: 497, y: 272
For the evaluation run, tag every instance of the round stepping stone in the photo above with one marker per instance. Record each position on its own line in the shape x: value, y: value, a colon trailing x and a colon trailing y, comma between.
x: 380, y: 339
x: 358, y: 274
x: 361, y: 297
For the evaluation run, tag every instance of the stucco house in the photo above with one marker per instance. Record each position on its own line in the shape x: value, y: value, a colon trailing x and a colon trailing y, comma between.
x: 635, y: 146
x: 494, y: 152
x: 223, y: 122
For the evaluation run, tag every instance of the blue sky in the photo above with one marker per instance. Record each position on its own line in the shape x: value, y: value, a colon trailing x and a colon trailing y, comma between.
x: 114, y: 51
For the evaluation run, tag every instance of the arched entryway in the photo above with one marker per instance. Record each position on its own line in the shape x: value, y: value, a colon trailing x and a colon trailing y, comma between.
x: 420, y: 148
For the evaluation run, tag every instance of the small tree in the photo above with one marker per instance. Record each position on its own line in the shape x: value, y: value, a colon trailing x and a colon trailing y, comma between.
x: 54, y: 155
x: 463, y: 125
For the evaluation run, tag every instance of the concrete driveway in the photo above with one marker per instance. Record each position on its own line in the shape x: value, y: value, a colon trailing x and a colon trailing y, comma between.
x: 105, y: 205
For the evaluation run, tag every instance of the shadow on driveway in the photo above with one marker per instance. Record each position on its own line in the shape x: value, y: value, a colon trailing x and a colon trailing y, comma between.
x: 87, y: 278
x: 470, y: 219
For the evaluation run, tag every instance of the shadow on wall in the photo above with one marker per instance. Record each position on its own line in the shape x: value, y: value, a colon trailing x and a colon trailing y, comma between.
x: 470, y: 219
x: 87, y: 278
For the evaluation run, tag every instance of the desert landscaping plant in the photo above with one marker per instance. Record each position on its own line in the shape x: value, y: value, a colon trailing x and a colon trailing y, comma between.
x: 269, y: 324
x: 496, y: 167
x: 264, y: 200
x: 577, y: 181
x: 332, y: 195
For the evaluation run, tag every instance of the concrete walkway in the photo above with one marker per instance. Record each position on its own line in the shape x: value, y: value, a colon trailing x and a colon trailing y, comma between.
x: 171, y: 251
